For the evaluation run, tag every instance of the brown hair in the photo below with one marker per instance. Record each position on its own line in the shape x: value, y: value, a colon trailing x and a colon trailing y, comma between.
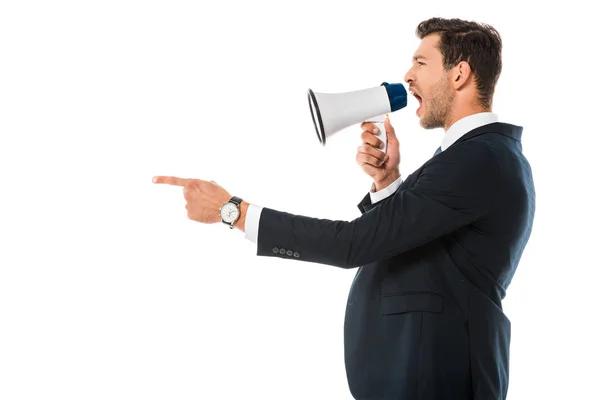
x: 476, y: 43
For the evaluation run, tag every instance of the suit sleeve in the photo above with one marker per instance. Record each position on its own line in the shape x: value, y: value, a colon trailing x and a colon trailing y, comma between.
x: 452, y: 191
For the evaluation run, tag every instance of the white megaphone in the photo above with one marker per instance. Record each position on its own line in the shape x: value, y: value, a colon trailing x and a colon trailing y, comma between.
x: 332, y: 112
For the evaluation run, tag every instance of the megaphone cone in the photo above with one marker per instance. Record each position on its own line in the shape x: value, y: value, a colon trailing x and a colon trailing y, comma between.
x: 332, y: 112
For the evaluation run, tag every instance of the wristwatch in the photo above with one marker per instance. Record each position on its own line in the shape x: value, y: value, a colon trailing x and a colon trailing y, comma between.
x: 230, y: 211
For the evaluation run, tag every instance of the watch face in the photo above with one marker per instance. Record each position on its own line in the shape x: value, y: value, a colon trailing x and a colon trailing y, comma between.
x: 229, y: 212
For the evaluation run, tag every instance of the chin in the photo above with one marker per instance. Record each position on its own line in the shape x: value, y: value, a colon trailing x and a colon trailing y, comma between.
x: 422, y: 118
x: 429, y: 123
x: 424, y: 121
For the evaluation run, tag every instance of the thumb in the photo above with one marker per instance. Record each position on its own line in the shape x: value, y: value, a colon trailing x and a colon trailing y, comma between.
x: 391, y: 132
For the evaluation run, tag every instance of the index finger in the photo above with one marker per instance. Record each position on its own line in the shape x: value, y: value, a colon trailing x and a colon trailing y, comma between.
x: 369, y: 127
x: 171, y: 180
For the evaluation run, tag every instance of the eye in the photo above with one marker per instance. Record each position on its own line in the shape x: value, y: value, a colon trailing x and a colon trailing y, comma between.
x: 420, y: 63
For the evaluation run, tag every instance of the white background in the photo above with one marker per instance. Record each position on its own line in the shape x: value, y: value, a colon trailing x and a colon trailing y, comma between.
x: 108, y: 291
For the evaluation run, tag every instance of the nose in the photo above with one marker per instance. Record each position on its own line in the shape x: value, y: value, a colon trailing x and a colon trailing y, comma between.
x: 409, y: 77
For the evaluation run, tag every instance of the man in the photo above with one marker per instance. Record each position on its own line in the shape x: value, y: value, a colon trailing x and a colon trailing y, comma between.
x: 436, y: 252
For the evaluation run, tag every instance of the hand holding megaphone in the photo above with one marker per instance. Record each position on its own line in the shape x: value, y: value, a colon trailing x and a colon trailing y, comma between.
x: 378, y: 121
x: 380, y: 164
x: 332, y: 112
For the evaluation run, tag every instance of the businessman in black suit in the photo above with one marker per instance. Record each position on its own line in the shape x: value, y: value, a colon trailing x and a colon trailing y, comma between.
x: 434, y: 252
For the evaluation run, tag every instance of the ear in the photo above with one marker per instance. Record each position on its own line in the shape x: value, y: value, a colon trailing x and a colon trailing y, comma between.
x: 460, y: 75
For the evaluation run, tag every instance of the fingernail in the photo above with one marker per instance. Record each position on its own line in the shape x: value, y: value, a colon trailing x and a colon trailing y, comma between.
x: 375, y: 130
x: 154, y: 180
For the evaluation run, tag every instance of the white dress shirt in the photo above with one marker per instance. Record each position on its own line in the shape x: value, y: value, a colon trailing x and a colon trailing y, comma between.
x: 455, y: 132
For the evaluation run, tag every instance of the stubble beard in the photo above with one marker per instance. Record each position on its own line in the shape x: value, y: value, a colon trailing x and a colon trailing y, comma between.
x: 438, y: 106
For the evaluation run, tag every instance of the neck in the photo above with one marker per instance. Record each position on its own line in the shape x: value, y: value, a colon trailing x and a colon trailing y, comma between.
x: 461, y: 113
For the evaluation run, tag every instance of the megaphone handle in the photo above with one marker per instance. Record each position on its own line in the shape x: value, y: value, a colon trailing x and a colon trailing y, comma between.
x: 382, y: 135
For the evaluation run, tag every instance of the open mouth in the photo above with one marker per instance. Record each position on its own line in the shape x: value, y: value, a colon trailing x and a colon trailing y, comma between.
x: 419, y: 99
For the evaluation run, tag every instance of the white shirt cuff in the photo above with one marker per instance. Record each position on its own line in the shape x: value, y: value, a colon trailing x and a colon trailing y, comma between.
x: 252, y: 219
x: 385, y: 192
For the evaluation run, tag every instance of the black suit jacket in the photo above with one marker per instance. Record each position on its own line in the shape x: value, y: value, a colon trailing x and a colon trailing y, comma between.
x: 424, y: 317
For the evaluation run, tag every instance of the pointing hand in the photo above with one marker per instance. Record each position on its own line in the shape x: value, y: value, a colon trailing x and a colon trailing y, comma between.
x: 203, y: 198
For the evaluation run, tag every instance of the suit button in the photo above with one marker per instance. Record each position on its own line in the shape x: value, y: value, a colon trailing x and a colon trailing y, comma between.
x: 296, y: 254
x: 275, y: 250
x: 289, y: 253
x: 281, y: 251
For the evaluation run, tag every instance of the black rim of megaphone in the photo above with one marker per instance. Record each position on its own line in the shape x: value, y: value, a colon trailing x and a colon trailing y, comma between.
x: 321, y: 133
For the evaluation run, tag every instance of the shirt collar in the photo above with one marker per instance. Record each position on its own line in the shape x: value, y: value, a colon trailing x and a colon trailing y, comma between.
x: 465, y: 125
